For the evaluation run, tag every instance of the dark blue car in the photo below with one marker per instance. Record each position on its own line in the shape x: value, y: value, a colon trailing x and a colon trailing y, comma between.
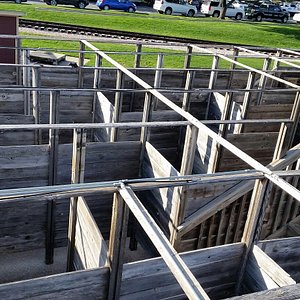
x: 116, y: 4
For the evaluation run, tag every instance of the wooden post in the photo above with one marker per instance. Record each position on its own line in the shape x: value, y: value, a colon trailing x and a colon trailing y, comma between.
x: 96, y: 85
x: 158, y: 76
x: 78, y: 164
x: 222, y: 131
x: 246, y: 101
x: 185, y: 106
x: 36, y: 102
x: 287, y: 132
x: 277, y: 62
x: 187, y: 163
x: 26, y: 82
x: 97, y: 72
x: 18, y: 61
x: 232, y: 67
x: 137, y: 64
x: 81, y: 64
x: 254, y: 218
x: 188, y: 85
x: 117, y: 240
x: 144, y: 130
x: 117, y: 105
x: 212, y: 80
x: 263, y: 80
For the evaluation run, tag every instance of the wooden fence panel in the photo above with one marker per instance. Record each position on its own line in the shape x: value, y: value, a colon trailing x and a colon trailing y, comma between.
x: 90, y: 247
x: 87, y: 284
x: 215, y: 268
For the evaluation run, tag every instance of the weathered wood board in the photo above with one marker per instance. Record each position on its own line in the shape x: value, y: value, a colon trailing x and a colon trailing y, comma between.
x: 215, y: 268
x: 90, y: 247
x: 16, y: 137
x: 285, y: 252
x: 87, y: 284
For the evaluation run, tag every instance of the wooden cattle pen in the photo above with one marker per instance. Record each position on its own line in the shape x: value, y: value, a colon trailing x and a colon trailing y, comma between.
x: 150, y: 182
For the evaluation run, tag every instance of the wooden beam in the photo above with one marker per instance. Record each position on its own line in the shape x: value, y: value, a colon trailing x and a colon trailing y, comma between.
x: 136, y: 65
x: 263, y: 80
x: 81, y: 64
x: 212, y: 81
x: 117, y: 240
x: 255, y: 213
x: 246, y: 100
x: 187, y: 163
x: 158, y: 76
x: 26, y: 82
x: 270, y: 267
x: 247, y: 67
x: 117, y: 105
x: 147, y: 111
x: 78, y: 164
x: 183, y: 275
x: 290, y: 292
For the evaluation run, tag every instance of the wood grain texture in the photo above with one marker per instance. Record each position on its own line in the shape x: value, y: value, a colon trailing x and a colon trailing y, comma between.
x: 211, y: 266
x: 87, y: 284
x: 89, y: 243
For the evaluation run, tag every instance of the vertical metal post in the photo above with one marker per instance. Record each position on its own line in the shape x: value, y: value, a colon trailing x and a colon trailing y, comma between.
x: 36, y: 102
x: 26, y: 82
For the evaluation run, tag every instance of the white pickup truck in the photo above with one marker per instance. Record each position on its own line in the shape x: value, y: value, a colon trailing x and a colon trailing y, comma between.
x: 213, y: 8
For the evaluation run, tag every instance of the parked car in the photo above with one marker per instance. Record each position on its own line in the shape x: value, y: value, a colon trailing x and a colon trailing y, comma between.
x: 291, y: 8
x: 267, y: 11
x: 240, y: 4
x: 77, y: 3
x: 175, y: 6
x: 297, y: 17
x: 116, y: 4
x: 213, y: 8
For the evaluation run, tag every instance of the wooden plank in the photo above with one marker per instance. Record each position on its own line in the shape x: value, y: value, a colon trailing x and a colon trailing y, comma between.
x: 285, y: 252
x: 211, y: 266
x: 183, y: 275
x: 270, y: 267
x: 155, y: 165
x: 78, y: 165
x: 117, y: 240
x: 89, y: 243
x: 104, y: 114
x: 87, y: 284
x: 290, y: 292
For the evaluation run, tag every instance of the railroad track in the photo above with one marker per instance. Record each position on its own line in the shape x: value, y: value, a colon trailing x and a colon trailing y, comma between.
x: 117, y: 34
x: 125, y: 35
